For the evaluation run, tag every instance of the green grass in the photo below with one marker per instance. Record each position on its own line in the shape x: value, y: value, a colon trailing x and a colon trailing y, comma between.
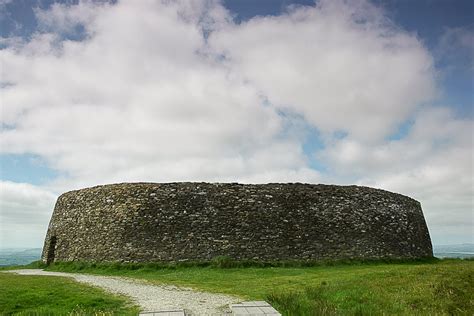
x: 46, y: 295
x: 33, y: 265
x: 426, y: 287
x: 439, y: 287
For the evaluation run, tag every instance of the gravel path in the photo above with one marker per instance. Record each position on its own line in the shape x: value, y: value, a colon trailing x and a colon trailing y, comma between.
x: 151, y: 297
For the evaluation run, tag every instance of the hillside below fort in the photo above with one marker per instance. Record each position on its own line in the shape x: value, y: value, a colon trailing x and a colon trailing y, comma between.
x: 150, y: 222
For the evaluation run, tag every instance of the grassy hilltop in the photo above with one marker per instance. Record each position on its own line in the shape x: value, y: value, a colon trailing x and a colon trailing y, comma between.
x: 439, y: 287
x: 28, y: 295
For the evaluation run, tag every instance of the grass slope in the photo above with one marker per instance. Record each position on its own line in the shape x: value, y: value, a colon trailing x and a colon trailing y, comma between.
x: 444, y: 287
x: 45, y: 295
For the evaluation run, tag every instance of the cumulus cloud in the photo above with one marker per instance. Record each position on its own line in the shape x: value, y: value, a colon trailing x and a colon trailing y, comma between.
x: 432, y: 163
x: 141, y: 99
x: 25, y: 212
x: 64, y: 19
x: 344, y: 67
x: 177, y: 91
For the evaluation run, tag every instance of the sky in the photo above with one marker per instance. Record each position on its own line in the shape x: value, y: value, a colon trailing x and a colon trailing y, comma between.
x: 375, y: 93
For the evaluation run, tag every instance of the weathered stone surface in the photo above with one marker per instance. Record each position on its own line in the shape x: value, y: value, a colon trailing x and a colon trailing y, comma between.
x: 142, y: 222
x: 253, y: 308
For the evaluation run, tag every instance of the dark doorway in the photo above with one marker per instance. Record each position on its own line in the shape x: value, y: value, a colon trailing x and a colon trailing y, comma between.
x: 51, y: 250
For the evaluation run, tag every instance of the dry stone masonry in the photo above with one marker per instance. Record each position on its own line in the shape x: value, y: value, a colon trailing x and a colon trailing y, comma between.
x: 147, y: 222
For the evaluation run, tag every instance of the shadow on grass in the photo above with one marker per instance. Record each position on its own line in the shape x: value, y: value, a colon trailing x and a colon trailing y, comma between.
x: 221, y: 262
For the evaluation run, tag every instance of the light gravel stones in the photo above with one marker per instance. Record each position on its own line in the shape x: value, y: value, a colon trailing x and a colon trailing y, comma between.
x: 163, y: 222
x: 149, y: 297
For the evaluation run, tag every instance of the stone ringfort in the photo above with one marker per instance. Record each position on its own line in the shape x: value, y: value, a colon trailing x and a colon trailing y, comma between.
x: 168, y: 222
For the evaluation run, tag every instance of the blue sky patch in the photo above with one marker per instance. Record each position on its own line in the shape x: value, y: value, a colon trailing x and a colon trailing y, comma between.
x: 25, y: 168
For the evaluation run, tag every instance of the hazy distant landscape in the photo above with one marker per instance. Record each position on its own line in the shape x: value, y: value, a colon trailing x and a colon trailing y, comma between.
x: 16, y: 256
x: 454, y: 251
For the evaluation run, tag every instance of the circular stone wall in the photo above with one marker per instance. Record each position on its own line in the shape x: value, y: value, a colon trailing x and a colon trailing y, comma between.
x: 142, y: 222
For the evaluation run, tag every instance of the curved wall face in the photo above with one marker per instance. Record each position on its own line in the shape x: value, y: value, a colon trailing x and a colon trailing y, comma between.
x: 138, y: 222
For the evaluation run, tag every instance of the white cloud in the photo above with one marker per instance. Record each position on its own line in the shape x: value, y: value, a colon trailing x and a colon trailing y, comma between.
x: 345, y: 67
x: 433, y: 163
x: 64, y: 18
x: 25, y: 211
x: 141, y: 101
x: 145, y: 96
